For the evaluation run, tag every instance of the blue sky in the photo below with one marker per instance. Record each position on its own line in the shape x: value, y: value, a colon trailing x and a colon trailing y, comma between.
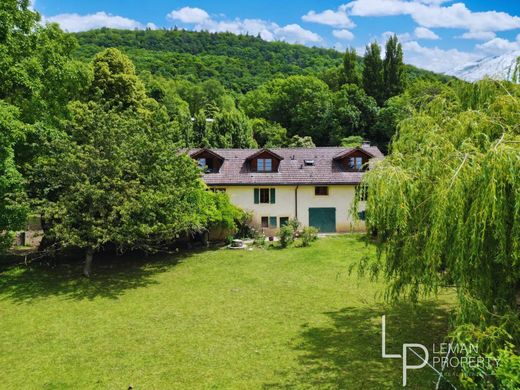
x: 440, y: 35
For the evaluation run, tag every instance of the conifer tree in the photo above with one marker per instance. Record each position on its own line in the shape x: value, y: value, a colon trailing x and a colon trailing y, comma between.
x: 350, y: 68
x: 373, y: 82
x: 393, y: 68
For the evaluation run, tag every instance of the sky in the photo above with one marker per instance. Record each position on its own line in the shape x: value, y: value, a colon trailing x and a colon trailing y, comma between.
x: 439, y: 35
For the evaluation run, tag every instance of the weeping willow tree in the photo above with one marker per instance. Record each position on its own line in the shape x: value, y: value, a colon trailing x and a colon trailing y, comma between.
x: 444, y: 205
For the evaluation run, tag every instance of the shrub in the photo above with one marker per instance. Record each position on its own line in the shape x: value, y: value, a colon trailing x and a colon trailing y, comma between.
x: 294, y: 223
x: 286, y: 235
x: 309, y: 234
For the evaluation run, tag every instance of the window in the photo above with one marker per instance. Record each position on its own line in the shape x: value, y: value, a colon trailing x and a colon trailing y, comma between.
x: 355, y: 163
x: 272, y: 222
x: 264, y: 165
x: 308, y: 163
x: 265, y: 222
x: 362, y: 215
x: 202, y: 163
x: 218, y: 189
x: 284, y: 221
x: 205, y: 164
x: 321, y: 190
x: 362, y: 192
x: 264, y: 195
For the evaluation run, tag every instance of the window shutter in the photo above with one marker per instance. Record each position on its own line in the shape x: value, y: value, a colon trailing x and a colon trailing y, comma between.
x: 273, y: 195
x: 257, y: 195
x: 272, y: 222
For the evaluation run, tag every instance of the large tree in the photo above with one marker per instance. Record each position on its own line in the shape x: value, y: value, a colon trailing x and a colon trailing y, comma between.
x: 445, y: 208
x: 393, y: 68
x: 373, y: 81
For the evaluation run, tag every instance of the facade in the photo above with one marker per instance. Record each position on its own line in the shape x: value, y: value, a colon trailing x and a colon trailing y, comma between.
x: 314, y: 185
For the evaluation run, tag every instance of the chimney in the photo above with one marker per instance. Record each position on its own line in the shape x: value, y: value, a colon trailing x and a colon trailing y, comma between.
x: 365, y: 144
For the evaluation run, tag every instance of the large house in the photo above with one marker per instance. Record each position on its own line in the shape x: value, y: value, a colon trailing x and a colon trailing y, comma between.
x: 314, y: 185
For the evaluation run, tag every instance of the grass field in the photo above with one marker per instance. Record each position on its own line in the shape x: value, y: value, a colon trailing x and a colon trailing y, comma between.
x: 218, y: 319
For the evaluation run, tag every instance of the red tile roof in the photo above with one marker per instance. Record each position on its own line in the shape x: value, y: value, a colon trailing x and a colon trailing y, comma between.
x: 292, y: 169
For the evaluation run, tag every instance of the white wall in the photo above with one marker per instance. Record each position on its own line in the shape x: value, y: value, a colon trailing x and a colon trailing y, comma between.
x: 340, y: 197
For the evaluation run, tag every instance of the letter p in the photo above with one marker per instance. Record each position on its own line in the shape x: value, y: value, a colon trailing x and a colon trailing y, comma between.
x: 407, y: 367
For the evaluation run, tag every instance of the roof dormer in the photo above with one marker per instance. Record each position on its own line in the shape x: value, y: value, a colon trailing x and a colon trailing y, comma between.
x: 208, y: 161
x: 264, y: 160
x: 354, y: 160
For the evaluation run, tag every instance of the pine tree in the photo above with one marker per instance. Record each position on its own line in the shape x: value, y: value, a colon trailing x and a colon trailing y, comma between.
x: 393, y: 68
x: 373, y: 81
x: 350, y: 68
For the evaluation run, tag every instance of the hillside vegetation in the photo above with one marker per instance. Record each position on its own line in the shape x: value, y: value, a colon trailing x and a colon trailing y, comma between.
x: 239, y: 62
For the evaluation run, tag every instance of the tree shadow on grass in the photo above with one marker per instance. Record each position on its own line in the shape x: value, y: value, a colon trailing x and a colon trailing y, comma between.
x: 112, y: 276
x: 347, y: 353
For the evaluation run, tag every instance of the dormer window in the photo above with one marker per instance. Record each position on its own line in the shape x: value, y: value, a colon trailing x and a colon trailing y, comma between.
x: 208, y: 161
x: 355, y: 163
x: 264, y: 165
x: 308, y: 163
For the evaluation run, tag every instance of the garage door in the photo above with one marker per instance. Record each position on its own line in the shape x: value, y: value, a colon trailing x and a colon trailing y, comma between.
x: 324, y: 218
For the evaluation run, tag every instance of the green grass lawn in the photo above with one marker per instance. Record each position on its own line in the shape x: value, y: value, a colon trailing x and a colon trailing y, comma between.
x: 218, y: 319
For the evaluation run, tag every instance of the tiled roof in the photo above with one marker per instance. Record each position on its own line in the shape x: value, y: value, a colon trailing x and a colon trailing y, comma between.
x: 292, y: 169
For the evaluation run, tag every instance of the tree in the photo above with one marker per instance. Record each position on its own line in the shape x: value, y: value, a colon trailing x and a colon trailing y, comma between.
x: 373, y: 82
x: 350, y: 67
x: 268, y: 134
x: 115, y: 82
x: 354, y: 113
x: 354, y: 141
x: 301, y: 142
x: 393, y: 68
x: 118, y: 179
x: 445, y: 208
x: 202, y: 134
x: 233, y: 130
x: 13, y: 207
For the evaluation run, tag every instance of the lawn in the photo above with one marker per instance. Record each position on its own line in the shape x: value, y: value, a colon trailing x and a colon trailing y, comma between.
x: 216, y: 319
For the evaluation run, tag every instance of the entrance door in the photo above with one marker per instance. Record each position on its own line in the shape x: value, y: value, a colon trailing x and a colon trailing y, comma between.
x: 323, y: 218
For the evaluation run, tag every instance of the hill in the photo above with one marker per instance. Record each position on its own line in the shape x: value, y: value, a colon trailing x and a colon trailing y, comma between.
x: 240, y: 62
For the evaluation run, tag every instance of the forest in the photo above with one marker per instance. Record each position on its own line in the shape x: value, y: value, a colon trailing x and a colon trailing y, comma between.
x: 91, y: 126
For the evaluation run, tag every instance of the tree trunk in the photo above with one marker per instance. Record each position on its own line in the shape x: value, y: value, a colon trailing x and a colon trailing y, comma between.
x: 89, y: 256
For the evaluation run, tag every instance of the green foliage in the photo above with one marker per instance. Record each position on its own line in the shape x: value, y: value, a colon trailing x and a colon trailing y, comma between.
x: 301, y: 142
x: 353, y: 141
x: 232, y: 129
x: 351, y: 67
x: 308, y: 235
x: 373, y: 81
x: 13, y: 208
x: 393, y: 68
x: 294, y: 223
x: 286, y: 235
x: 268, y: 134
x: 445, y: 203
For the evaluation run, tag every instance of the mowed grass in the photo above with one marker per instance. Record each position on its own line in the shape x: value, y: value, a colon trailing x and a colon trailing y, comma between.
x: 216, y: 319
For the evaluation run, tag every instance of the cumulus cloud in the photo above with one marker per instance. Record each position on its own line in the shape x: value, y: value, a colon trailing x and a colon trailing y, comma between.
x: 189, y: 15
x: 478, y: 35
x: 75, y: 22
x: 338, y: 18
x: 424, y: 33
x: 343, y: 34
x: 433, y: 15
x: 269, y: 31
x: 436, y: 59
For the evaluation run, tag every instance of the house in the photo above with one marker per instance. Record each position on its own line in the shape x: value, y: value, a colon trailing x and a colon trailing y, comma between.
x: 314, y: 185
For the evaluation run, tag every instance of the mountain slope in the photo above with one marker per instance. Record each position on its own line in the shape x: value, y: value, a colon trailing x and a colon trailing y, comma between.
x: 239, y: 62
x: 504, y: 67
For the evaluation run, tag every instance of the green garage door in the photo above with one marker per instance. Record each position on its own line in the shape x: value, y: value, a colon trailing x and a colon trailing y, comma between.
x: 324, y: 218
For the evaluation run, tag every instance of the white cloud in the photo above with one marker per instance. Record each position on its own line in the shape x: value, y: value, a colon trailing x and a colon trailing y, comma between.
x: 405, y: 37
x: 77, y: 22
x: 478, y: 35
x: 498, y: 46
x: 269, y: 31
x: 436, y: 59
x: 338, y: 18
x: 343, y: 34
x: 424, y: 33
x: 435, y: 16
x: 189, y: 15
